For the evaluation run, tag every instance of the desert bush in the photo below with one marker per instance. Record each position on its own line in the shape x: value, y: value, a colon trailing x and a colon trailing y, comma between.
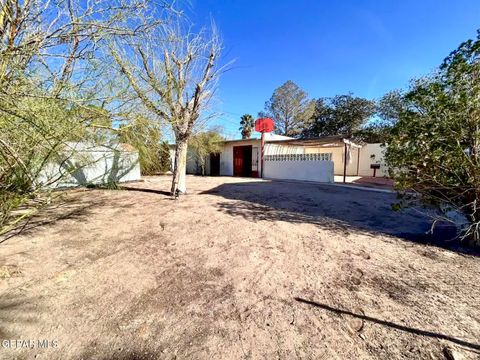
x: 433, y: 150
x: 145, y: 135
x: 202, y: 145
x: 55, y: 85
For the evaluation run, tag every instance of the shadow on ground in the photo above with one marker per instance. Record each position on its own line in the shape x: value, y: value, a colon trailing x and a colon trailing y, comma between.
x: 333, y: 207
x: 15, y: 309
x: 146, y: 190
x: 392, y: 325
x: 63, y: 209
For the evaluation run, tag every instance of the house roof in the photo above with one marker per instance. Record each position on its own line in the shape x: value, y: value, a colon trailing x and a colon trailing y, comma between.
x: 269, y: 137
x: 240, y: 140
x: 323, y: 141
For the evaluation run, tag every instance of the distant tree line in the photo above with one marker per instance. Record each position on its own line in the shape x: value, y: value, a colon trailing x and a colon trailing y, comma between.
x: 296, y: 115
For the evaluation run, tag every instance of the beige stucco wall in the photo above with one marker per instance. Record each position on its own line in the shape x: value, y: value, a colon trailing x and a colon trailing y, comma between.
x: 359, y: 165
x: 337, y: 158
x: 372, y: 154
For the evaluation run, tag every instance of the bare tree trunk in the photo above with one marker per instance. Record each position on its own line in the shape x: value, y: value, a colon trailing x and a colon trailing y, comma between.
x: 204, y: 165
x: 475, y: 222
x: 179, y: 181
x: 177, y: 92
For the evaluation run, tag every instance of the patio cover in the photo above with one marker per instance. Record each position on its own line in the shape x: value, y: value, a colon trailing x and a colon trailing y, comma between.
x: 323, y: 141
x: 326, y: 141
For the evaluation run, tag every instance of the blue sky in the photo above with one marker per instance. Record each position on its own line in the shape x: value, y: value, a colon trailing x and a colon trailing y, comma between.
x: 329, y: 47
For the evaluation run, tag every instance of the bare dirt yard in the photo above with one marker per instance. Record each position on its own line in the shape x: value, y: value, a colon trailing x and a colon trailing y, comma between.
x: 236, y: 269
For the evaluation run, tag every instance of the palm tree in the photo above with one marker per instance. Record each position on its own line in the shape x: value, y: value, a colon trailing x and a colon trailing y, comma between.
x: 247, y: 124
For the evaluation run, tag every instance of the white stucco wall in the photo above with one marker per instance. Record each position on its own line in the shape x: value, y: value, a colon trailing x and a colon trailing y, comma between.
x: 194, y: 168
x: 172, y: 157
x: 85, y: 165
x: 310, y: 170
x: 372, y: 154
x: 226, y: 156
x: 226, y: 160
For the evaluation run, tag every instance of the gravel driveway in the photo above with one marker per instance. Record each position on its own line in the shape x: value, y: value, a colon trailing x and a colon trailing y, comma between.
x: 236, y: 269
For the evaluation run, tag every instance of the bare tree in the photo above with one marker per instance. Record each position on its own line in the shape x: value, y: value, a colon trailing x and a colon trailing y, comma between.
x: 53, y: 88
x: 59, y: 39
x: 174, y: 76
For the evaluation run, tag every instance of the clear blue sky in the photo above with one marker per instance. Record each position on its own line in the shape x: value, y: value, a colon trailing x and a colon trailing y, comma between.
x: 330, y: 47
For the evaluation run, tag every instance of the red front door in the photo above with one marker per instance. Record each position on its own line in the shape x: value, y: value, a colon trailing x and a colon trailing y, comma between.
x: 242, y: 160
x: 237, y: 161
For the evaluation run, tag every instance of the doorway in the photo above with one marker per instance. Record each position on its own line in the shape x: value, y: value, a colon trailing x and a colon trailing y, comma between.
x: 242, y: 161
x: 215, y: 164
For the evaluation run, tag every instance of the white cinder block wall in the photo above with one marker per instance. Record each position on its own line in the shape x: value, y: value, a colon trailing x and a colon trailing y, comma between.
x: 309, y: 170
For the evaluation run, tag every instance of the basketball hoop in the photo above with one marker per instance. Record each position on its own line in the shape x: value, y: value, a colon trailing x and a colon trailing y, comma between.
x: 264, y: 125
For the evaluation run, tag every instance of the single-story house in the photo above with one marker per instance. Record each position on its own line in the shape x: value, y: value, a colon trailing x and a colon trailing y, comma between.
x: 363, y: 159
x: 290, y: 158
x: 241, y: 157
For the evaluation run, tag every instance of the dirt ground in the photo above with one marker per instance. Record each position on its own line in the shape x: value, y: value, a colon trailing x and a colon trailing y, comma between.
x: 236, y: 269
x: 366, y: 181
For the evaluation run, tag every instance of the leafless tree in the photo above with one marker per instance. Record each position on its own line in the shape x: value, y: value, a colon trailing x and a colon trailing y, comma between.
x: 54, y: 80
x: 52, y: 38
x: 174, y: 75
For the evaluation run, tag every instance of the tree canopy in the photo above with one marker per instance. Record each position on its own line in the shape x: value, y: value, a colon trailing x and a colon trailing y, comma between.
x: 339, y: 115
x: 433, y: 150
x: 290, y: 108
x: 388, y: 109
x: 55, y: 87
